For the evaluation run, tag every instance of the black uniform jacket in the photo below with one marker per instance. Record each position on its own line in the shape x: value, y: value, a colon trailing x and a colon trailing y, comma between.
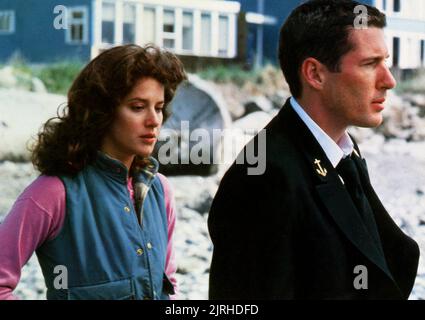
x: 294, y: 232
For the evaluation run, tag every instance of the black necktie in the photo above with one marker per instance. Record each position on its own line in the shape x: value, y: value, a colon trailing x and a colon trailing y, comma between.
x: 348, y: 171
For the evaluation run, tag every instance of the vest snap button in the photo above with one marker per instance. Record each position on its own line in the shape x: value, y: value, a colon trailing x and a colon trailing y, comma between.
x: 149, y: 245
x: 126, y: 209
x: 139, y: 251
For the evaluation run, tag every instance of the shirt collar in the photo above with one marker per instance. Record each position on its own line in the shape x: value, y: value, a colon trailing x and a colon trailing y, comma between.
x: 334, y: 151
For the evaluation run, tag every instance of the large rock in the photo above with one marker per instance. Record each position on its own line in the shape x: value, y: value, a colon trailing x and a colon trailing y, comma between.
x: 279, y: 98
x: 238, y: 136
x: 190, y: 139
x: 402, y: 120
x: 253, y: 122
x: 12, y: 78
x: 257, y: 103
x: 22, y: 114
x: 7, y: 78
x: 194, y: 192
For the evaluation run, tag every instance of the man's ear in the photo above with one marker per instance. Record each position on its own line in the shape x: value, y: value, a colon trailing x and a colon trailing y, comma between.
x: 313, y: 73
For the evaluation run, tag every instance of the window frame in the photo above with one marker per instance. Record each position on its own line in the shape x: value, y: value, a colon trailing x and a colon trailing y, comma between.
x: 12, y: 21
x: 84, y: 21
x: 207, y: 53
x: 398, y: 6
x: 184, y: 50
x: 169, y: 35
x: 227, y: 31
x: 134, y: 22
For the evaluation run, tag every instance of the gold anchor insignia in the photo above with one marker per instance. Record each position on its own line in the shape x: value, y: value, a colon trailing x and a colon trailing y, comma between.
x: 322, y: 171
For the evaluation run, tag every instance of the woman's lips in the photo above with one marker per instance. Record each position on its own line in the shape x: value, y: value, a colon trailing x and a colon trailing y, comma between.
x: 148, y: 138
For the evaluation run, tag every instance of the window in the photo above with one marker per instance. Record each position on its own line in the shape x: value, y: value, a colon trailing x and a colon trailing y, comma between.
x: 149, y: 29
x: 7, y: 22
x: 396, y: 51
x: 384, y: 5
x: 77, y: 32
x: 168, y: 29
x: 223, y: 44
x: 187, y: 31
x: 169, y: 21
x: 396, y: 6
x: 108, y: 22
x: 206, y: 33
x: 129, y: 27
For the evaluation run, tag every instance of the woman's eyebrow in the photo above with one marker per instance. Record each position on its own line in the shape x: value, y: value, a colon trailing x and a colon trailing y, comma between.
x: 136, y: 99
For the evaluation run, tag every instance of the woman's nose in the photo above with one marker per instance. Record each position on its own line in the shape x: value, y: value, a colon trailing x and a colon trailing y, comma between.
x: 153, y: 118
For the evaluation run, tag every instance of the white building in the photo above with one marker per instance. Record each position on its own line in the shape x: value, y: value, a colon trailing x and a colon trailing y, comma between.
x: 206, y: 28
x: 405, y: 32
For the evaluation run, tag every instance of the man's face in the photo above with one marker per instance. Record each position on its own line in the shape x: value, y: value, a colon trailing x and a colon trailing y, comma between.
x: 355, y: 95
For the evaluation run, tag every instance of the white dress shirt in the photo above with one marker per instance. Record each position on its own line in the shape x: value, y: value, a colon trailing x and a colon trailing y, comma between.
x: 334, y: 151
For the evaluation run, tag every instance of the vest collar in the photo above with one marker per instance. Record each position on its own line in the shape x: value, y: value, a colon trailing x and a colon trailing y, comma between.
x: 118, y: 171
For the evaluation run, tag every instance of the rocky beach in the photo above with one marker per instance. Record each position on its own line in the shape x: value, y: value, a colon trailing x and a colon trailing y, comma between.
x: 395, y: 155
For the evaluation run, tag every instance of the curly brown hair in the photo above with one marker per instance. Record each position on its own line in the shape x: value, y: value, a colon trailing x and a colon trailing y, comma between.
x: 69, y: 142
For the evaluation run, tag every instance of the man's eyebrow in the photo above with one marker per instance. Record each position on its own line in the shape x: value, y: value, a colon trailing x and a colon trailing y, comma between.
x: 377, y: 58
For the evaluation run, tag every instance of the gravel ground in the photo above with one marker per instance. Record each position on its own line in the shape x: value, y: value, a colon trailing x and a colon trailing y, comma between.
x: 397, y: 173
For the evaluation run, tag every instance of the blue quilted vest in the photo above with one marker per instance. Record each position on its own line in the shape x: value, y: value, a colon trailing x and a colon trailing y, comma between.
x: 110, y: 248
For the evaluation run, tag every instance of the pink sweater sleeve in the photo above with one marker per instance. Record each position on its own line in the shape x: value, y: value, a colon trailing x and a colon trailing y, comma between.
x: 170, y: 262
x: 36, y: 216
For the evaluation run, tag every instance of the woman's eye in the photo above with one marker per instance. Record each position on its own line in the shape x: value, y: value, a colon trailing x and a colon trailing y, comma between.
x: 137, y: 108
x: 159, y: 108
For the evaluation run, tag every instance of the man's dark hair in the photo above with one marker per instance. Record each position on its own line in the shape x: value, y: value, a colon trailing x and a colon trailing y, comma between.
x: 319, y: 29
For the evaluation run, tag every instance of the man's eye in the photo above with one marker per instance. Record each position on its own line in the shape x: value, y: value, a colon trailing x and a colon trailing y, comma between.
x: 371, y: 63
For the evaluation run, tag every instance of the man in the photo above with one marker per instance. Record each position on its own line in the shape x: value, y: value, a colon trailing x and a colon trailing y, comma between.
x: 308, y: 228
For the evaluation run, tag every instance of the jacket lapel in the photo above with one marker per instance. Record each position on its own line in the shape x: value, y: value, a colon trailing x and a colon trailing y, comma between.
x: 331, y: 189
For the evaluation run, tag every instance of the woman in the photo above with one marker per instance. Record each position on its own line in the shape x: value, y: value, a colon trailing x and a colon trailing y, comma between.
x: 100, y: 217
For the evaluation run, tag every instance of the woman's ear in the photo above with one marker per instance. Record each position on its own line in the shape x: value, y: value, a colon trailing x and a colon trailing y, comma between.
x: 313, y: 73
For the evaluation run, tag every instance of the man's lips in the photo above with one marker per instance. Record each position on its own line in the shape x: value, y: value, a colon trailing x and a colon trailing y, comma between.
x: 380, y: 100
x: 378, y: 104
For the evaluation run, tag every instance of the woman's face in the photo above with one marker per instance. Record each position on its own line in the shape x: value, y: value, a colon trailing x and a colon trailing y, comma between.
x: 137, y: 122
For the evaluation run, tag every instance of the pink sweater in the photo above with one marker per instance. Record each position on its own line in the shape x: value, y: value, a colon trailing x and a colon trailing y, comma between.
x: 38, y: 216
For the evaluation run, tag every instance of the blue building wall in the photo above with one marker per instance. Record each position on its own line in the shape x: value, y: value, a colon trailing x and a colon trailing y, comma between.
x: 35, y: 37
x: 8, y: 41
x: 280, y: 9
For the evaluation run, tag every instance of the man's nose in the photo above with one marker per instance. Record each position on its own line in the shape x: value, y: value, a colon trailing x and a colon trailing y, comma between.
x: 387, y: 80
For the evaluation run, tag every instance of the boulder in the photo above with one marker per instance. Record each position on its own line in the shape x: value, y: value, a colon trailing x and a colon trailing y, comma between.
x: 279, y: 98
x: 253, y: 122
x: 12, y: 78
x: 257, y: 103
x: 190, y: 139
x: 22, y: 114
x: 7, y: 77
